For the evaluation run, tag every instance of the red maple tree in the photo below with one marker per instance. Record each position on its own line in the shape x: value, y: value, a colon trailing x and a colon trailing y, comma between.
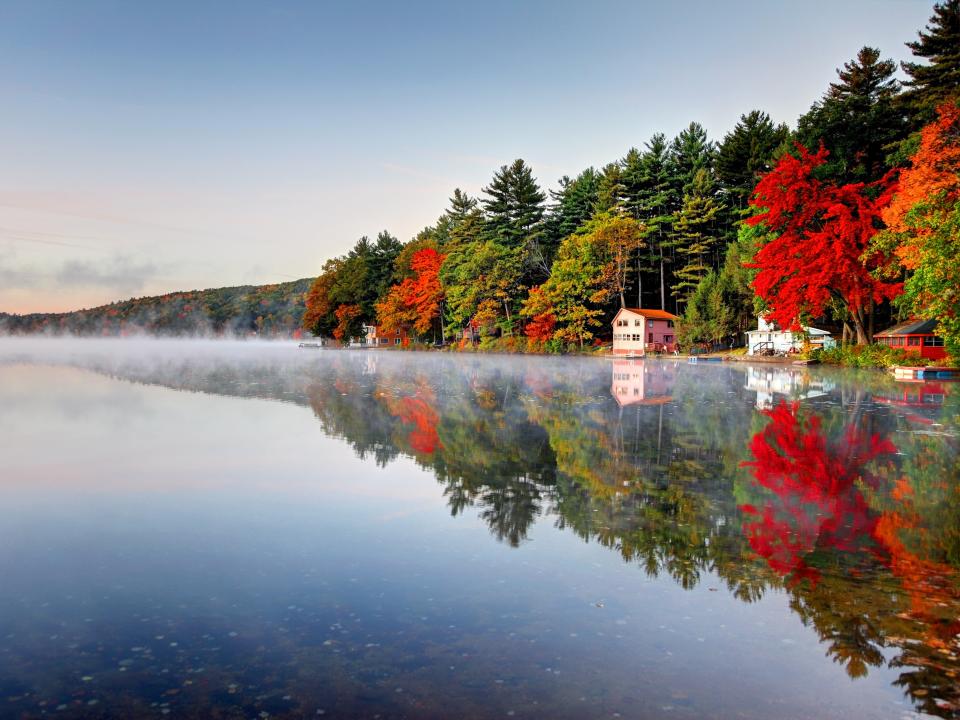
x: 821, y: 252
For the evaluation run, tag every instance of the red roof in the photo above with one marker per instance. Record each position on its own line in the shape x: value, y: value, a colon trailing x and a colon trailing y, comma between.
x: 652, y: 314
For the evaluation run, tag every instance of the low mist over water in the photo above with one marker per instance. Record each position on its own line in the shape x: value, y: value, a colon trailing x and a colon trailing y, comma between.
x: 251, y: 530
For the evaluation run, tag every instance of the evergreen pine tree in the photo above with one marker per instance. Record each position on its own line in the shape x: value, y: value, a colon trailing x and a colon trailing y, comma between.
x: 514, y: 209
x: 695, y: 235
x: 611, y: 191
x: 573, y: 205
x: 514, y: 204
x: 938, y: 79
x: 747, y: 152
x: 650, y: 184
x: 383, y: 253
x: 691, y: 152
x: 858, y: 119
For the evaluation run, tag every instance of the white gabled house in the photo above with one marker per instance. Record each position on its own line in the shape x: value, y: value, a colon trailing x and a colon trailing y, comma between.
x: 768, y: 338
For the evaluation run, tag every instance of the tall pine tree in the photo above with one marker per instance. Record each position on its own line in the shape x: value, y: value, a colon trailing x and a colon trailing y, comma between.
x: 746, y: 153
x: 937, y: 80
x: 695, y: 235
x: 514, y: 207
x: 858, y: 119
x: 650, y: 178
x: 691, y: 151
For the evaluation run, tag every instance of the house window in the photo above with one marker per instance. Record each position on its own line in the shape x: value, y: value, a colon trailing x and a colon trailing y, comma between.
x: 668, y: 338
x: 913, y: 340
x: 669, y: 323
x: 649, y: 323
x: 932, y: 341
x: 396, y: 341
x: 638, y: 338
x: 383, y: 341
x: 898, y: 341
x: 650, y: 336
x: 637, y: 323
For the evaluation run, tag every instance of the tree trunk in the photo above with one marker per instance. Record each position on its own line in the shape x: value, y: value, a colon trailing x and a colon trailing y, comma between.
x: 663, y: 292
x: 859, y: 324
x: 623, y: 301
x: 639, y: 284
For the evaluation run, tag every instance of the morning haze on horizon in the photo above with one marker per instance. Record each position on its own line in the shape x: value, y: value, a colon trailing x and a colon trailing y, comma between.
x: 148, y: 149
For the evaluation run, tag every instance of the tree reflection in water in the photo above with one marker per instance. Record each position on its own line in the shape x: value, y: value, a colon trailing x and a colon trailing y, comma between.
x: 841, y: 523
x: 828, y: 491
x: 815, y: 502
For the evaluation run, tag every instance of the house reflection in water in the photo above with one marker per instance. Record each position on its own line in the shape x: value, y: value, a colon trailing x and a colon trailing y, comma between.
x: 772, y: 383
x: 642, y: 382
x: 919, y: 401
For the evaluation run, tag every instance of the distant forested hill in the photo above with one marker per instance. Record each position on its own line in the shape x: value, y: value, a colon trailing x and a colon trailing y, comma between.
x: 267, y: 310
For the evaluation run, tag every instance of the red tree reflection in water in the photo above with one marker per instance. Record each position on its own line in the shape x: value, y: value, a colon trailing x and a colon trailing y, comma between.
x: 418, y: 410
x: 816, y: 503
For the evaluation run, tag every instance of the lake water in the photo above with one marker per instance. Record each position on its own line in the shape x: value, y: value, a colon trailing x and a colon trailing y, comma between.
x: 240, y: 530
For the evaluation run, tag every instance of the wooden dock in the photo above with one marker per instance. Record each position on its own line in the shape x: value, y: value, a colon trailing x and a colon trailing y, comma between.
x: 931, y: 372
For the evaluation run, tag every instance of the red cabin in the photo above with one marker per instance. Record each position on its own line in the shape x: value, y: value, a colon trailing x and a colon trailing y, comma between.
x: 915, y: 336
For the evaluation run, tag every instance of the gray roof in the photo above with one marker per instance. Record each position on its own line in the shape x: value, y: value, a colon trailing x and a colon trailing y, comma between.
x: 913, y: 327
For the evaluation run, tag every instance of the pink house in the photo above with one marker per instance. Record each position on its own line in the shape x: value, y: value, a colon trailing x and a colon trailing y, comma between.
x: 637, y: 331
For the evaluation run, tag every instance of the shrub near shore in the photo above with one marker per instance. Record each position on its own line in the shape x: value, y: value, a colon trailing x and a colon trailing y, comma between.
x: 868, y: 356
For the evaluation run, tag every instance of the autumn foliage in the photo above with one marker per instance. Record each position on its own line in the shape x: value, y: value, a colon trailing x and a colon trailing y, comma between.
x: 821, y: 251
x: 346, y: 315
x: 419, y: 413
x: 934, y: 171
x: 543, y: 320
x: 815, y: 499
x: 415, y: 302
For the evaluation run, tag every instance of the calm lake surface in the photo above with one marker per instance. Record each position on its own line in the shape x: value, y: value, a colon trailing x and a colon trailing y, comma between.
x: 238, y: 530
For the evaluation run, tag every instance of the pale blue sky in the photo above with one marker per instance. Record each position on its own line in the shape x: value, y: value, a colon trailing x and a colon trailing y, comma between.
x: 149, y: 147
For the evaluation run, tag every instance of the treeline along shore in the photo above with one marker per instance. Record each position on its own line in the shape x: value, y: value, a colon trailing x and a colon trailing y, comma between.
x: 849, y: 220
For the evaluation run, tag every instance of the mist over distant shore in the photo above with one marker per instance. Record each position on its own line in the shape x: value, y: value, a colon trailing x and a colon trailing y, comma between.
x: 247, y: 310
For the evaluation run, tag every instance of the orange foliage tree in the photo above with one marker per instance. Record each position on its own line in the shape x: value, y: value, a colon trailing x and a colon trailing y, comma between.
x: 416, y: 301
x: 934, y: 171
x: 543, y: 320
x: 346, y: 317
x: 924, y: 226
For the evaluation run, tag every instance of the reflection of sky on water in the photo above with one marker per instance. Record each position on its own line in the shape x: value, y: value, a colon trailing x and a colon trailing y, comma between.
x: 216, y: 549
